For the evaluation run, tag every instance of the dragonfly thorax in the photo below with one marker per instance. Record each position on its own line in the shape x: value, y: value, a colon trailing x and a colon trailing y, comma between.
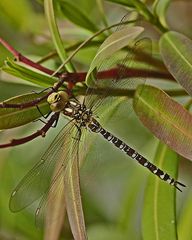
x: 78, y: 111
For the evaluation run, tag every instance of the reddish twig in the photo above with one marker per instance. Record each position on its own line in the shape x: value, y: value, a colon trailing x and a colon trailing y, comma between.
x: 133, y: 72
x: 37, y: 100
x: 24, y: 59
x: 73, y: 78
x: 79, y: 77
x: 42, y: 132
x: 114, y: 72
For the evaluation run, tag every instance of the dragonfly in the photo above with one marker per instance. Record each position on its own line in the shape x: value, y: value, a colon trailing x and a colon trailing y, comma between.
x: 83, y: 119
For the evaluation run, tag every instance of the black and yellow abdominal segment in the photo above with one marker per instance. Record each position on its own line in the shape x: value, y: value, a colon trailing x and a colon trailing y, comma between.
x: 96, y: 127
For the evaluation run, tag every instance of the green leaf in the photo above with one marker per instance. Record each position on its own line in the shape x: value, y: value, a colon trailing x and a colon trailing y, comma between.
x: 76, y: 15
x: 160, y: 8
x: 49, y: 11
x: 29, y: 75
x: 159, y: 215
x: 176, y: 51
x: 14, y: 117
x: 165, y: 118
x: 112, y: 44
x: 185, y: 220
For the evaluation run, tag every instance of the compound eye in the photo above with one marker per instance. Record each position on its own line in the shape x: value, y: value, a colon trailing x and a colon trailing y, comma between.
x: 56, y: 97
x: 53, y: 98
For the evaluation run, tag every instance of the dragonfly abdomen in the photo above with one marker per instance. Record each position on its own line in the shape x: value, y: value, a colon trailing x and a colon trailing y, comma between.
x: 136, y: 156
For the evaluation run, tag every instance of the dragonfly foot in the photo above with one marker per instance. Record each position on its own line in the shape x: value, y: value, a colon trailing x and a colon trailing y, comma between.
x: 177, y: 184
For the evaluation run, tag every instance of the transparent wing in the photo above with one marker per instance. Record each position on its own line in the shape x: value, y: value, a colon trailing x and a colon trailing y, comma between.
x: 37, y: 180
x: 130, y: 66
x: 55, y: 194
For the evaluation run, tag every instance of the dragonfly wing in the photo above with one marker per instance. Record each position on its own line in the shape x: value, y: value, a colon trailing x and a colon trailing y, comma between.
x: 36, y: 182
x: 125, y: 65
x: 51, y: 206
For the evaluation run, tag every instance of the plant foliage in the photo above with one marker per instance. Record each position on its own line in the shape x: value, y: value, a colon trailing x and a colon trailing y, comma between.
x: 59, y: 45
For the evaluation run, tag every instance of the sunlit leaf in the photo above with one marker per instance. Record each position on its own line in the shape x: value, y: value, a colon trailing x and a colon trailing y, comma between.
x: 112, y: 44
x: 27, y: 74
x: 76, y: 15
x: 176, y: 51
x: 159, y: 215
x: 185, y: 220
x: 165, y: 118
x: 14, y: 117
x: 160, y: 8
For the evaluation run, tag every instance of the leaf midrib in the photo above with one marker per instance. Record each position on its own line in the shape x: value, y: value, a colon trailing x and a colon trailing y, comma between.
x: 163, y: 116
x: 178, y: 52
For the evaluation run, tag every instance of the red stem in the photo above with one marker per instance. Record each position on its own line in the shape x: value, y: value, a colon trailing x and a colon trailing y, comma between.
x: 73, y: 78
x: 24, y: 59
x: 37, y: 100
x: 79, y: 77
x: 132, y: 72
x: 42, y: 132
x: 115, y: 72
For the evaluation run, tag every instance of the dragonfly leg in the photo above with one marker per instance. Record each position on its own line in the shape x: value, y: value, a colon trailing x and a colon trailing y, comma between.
x: 44, y: 116
x: 78, y: 138
x: 55, y: 123
x: 44, y: 90
x: 39, y: 119
x: 42, y: 132
x: 176, y: 183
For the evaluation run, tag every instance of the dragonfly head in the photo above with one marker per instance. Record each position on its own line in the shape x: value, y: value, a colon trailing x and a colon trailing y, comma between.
x: 57, y: 101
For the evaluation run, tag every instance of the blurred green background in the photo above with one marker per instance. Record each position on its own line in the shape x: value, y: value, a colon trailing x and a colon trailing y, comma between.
x: 113, y: 186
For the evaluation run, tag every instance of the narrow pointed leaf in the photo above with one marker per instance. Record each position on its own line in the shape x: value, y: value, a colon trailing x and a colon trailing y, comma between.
x: 112, y: 44
x: 165, y: 118
x: 27, y: 74
x: 14, y: 117
x: 176, y: 51
x: 50, y: 14
x: 159, y: 214
x: 160, y: 8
